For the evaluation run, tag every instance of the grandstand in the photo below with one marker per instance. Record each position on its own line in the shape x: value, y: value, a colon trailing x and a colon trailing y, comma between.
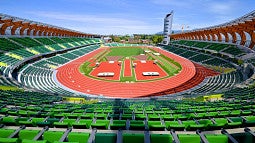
x: 203, y: 91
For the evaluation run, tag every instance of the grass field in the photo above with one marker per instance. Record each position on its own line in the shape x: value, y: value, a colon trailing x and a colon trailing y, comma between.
x: 125, y: 51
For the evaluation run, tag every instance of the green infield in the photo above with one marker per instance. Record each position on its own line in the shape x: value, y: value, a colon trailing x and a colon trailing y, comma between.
x: 165, y: 63
x: 125, y: 51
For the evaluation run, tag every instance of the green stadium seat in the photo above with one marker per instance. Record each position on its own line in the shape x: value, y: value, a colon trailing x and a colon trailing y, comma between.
x: 67, y: 122
x: 13, y: 112
x: 9, y: 121
x: 174, y: 125
x: 205, y: 122
x: 246, y: 112
x: 153, y: 117
x: 216, y: 138
x: 182, y: 117
x: 100, y: 124
x: 118, y: 124
x: 137, y: 125
x: 243, y: 137
x: 4, y: 110
x: 163, y: 138
x: 5, y: 133
x: 105, y: 137
x: 212, y: 114
x: 82, y: 124
x: 87, y: 116
x: 28, y: 134
x: 156, y: 125
x: 32, y: 141
x: 220, y: 123
x: 200, y: 115
x: 140, y: 117
x: 60, y: 124
x: 52, y: 136
x: 65, y: 142
x: 250, y: 120
x: 133, y: 138
x: 79, y: 137
x: 35, y: 121
x: 237, y: 122
x: 8, y: 140
x: 224, y: 114
x: 51, y: 121
x: 189, y: 138
x: 101, y: 116
x: 168, y: 118
x: 192, y: 125
x: 73, y: 116
x: 126, y: 116
x: 114, y: 116
x: 235, y: 112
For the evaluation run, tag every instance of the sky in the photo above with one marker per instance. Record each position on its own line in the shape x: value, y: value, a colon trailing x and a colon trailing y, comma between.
x: 121, y: 17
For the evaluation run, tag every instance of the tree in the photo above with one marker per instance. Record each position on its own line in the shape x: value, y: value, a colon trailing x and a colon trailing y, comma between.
x: 156, y: 39
x: 116, y: 39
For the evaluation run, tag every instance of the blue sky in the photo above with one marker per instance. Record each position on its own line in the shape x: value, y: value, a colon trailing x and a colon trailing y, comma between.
x: 127, y: 16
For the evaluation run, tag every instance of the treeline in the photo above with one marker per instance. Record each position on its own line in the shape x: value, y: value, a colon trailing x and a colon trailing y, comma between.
x: 138, y: 38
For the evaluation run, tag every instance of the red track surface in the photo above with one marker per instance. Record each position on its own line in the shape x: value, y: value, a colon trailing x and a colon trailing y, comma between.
x: 108, y: 67
x: 201, y: 74
x: 68, y: 75
x: 127, y: 68
x: 148, y: 67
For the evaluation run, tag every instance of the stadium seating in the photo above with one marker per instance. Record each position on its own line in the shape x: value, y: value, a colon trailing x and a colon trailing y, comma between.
x: 219, y: 83
x: 199, y: 57
x: 186, y: 115
x: 40, y: 76
x: 219, y: 47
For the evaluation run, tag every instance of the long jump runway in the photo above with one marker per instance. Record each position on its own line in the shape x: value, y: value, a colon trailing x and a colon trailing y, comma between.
x: 127, y: 68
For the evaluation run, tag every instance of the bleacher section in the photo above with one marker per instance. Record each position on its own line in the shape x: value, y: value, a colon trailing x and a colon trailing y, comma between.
x: 15, y: 49
x: 40, y: 117
x: 7, y: 82
x: 219, y: 83
x: 218, y: 47
x: 40, y: 75
x: 198, y: 57
x: 246, y: 93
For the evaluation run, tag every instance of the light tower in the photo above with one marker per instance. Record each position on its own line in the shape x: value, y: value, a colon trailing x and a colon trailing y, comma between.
x: 167, y: 28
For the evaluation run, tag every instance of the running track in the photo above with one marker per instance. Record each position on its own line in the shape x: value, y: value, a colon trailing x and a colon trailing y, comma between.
x: 69, y: 76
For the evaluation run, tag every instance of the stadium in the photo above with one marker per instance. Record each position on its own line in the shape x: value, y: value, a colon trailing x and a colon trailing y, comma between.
x: 61, y: 85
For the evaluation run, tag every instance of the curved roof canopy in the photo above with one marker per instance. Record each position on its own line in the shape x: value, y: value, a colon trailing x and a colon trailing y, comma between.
x: 226, y: 32
x: 19, y: 26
